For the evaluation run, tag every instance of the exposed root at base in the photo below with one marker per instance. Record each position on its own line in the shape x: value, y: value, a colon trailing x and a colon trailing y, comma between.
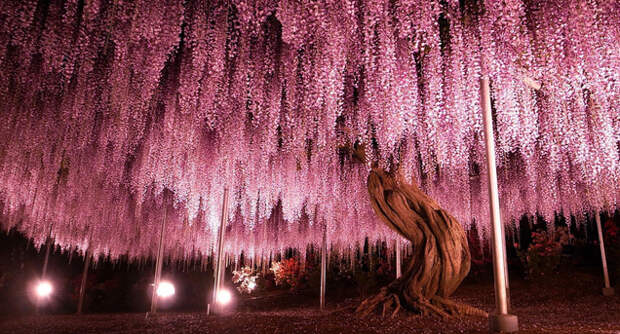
x: 390, y: 303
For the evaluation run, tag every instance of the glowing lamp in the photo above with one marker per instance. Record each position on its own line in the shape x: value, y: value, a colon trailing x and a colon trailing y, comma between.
x: 165, y: 289
x: 43, y: 289
x: 223, y: 297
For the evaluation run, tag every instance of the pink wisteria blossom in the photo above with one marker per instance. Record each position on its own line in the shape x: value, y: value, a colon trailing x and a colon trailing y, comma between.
x: 111, y: 110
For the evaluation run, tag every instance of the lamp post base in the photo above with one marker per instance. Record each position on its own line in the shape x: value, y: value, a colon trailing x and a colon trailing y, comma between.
x: 149, y: 315
x: 608, y: 292
x: 505, y: 323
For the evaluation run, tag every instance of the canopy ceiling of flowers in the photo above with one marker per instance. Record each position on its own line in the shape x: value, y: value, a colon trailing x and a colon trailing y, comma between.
x: 112, y: 111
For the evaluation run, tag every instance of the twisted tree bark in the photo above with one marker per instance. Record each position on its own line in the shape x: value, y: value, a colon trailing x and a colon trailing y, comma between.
x: 441, y: 258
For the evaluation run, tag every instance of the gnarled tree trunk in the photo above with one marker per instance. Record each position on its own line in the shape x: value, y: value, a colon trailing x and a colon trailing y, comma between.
x: 441, y: 258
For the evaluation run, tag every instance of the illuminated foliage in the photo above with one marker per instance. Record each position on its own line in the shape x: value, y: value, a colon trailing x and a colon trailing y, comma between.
x: 105, y: 104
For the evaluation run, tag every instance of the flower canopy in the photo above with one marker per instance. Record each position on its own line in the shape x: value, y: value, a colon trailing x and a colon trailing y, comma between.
x: 112, y: 111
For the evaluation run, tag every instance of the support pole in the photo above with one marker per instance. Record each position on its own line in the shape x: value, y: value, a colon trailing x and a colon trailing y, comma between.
x: 506, y: 269
x: 607, y: 289
x: 47, y: 257
x: 501, y: 321
x: 323, y: 268
x: 160, y: 260
x: 48, y: 246
x: 399, y: 253
x: 220, y: 250
x: 87, y: 256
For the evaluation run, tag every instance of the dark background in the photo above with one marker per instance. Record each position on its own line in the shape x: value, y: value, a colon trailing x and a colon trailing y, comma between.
x: 124, y: 286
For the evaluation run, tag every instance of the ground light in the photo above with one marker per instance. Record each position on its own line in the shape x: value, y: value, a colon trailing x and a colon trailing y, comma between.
x: 165, y: 289
x: 43, y: 289
x: 224, y: 297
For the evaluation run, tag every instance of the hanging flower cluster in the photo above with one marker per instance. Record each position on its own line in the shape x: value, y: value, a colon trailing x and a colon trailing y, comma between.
x: 116, y: 115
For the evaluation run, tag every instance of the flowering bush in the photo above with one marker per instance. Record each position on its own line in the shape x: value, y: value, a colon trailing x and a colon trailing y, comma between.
x: 289, y: 272
x: 542, y: 256
x: 245, y: 280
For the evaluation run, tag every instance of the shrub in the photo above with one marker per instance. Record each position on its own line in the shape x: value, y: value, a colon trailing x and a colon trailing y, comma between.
x: 542, y: 257
x: 289, y: 273
x: 245, y: 280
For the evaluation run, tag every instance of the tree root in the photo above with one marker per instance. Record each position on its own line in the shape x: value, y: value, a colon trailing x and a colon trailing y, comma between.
x: 436, y: 305
x: 383, y: 298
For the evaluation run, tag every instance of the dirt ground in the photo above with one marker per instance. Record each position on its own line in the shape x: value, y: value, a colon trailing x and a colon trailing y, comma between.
x: 569, y: 303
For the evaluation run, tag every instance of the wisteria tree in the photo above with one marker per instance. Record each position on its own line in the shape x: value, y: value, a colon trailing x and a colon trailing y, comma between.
x: 441, y: 257
x: 104, y: 105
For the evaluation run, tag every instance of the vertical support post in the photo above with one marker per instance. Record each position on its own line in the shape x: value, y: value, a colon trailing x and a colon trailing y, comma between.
x: 160, y: 260
x: 220, y: 249
x: 48, y: 245
x: 501, y: 321
x: 607, y: 289
x: 87, y: 256
x: 398, y: 258
x: 323, y: 268
x: 506, y: 270
x: 47, y: 256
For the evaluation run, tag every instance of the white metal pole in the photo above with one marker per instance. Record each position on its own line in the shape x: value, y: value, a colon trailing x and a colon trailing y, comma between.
x: 48, y: 245
x: 160, y: 260
x: 323, y: 268
x: 47, y: 256
x: 506, y: 269
x: 220, y: 248
x: 398, y: 258
x: 607, y: 289
x: 83, y: 283
x: 501, y: 321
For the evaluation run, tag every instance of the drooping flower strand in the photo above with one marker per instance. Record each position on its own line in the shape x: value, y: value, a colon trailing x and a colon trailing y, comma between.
x: 111, y: 111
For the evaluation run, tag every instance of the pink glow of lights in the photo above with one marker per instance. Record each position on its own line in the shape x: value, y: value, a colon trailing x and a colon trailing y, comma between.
x: 224, y: 297
x: 43, y: 289
x: 165, y: 289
